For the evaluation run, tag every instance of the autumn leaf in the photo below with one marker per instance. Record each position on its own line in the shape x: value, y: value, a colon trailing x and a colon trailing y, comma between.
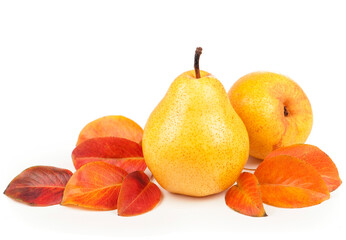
x: 120, y: 152
x: 315, y: 157
x: 245, y: 197
x: 289, y: 182
x: 137, y: 195
x: 95, y: 185
x: 111, y: 126
x: 39, y: 185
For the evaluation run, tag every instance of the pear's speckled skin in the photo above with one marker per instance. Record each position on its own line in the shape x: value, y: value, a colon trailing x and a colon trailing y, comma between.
x: 194, y: 143
x: 259, y: 99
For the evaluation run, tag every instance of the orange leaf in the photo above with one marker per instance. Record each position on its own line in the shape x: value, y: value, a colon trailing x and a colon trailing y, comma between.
x: 289, y: 182
x: 137, y: 195
x: 39, y: 185
x: 95, y: 185
x: 120, y: 152
x: 245, y: 197
x: 317, y: 158
x: 111, y: 126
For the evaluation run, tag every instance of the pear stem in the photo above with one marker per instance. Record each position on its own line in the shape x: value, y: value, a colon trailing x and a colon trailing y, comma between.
x: 197, y: 55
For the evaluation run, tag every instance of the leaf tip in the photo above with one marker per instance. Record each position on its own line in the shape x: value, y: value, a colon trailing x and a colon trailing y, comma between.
x: 6, y: 190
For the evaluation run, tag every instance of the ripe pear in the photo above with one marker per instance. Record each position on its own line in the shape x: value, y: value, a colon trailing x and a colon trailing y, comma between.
x: 194, y: 143
x: 274, y: 109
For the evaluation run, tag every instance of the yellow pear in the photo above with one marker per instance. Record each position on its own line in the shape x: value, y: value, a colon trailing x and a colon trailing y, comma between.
x: 194, y: 143
x: 274, y: 109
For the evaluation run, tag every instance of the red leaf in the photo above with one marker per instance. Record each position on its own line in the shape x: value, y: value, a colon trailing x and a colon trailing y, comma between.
x: 95, y: 185
x: 120, y: 152
x: 289, y: 182
x: 315, y: 157
x: 137, y: 195
x: 245, y: 197
x: 39, y: 185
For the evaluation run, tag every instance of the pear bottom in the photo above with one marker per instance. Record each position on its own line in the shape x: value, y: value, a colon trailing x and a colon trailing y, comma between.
x: 197, y: 176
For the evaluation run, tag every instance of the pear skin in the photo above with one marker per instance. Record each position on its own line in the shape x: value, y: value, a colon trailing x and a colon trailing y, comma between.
x: 274, y: 109
x: 194, y: 143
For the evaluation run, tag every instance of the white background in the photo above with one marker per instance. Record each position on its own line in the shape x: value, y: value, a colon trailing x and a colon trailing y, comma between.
x: 66, y: 63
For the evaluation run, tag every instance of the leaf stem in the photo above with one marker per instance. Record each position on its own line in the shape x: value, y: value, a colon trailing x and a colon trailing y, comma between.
x: 249, y: 169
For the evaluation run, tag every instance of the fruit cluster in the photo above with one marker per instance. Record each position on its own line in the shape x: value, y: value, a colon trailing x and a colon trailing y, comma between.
x: 195, y: 142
